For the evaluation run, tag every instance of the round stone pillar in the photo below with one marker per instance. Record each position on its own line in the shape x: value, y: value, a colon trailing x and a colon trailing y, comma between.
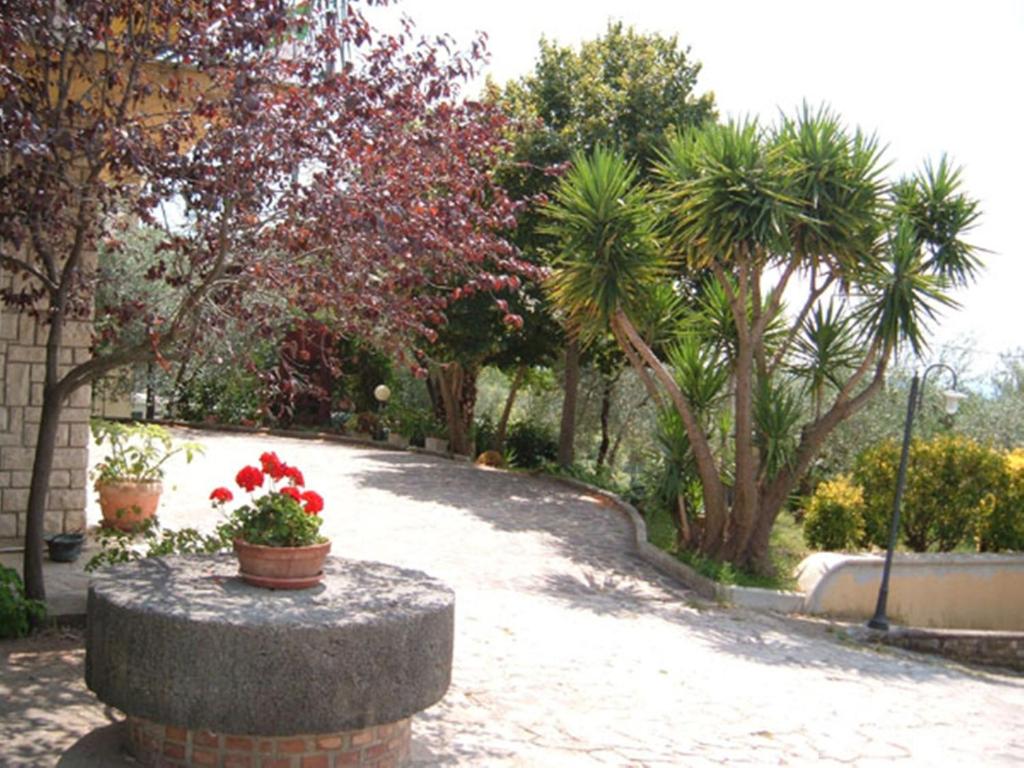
x: 212, y: 671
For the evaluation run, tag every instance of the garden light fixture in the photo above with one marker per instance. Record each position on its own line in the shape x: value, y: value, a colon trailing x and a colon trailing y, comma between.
x: 383, y: 393
x: 952, y: 400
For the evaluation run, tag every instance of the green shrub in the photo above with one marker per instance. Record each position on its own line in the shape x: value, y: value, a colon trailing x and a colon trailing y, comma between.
x: 485, y: 434
x: 835, y: 515
x: 117, y: 546
x: 531, y: 445
x: 229, y: 395
x: 16, y: 611
x: 414, y: 423
x: 951, y: 480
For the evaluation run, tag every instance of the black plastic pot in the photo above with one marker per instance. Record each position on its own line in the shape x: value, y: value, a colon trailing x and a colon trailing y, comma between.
x: 64, y: 547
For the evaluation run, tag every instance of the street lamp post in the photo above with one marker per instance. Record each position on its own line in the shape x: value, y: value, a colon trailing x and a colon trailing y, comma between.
x: 952, y: 403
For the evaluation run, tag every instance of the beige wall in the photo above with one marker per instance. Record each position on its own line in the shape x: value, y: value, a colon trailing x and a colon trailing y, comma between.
x: 953, y: 591
x: 22, y: 355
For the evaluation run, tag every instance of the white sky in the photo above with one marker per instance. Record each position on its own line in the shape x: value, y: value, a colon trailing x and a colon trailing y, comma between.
x: 927, y: 77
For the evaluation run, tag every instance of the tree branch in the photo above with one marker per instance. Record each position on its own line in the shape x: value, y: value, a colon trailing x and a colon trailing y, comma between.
x: 19, y: 264
x: 714, y: 490
x: 844, y: 407
x: 798, y: 323
x: 638, y: 364
x: 775, y: 295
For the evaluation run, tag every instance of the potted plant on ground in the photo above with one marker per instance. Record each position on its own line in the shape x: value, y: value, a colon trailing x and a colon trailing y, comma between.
x: 405, y: 424
x: 436, y: 439
x: 277, y: 534
x: 129, y: 479
x: 367, y: 425
x: 64, y: 547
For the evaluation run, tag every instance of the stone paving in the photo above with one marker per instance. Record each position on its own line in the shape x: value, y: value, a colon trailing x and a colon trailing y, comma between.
x: 569, y: 650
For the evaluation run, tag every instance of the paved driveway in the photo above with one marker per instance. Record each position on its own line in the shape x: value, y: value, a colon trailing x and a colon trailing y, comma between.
x: 570, y: 651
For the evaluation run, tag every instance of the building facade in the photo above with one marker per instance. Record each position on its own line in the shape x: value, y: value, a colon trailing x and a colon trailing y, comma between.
x: 22, y: 364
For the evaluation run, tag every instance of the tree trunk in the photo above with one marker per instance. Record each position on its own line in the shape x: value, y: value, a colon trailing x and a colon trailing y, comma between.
x: 683, y: 533
x: 150, y: 394
x: 42, y: 463
x: 715, y: 505
x: 638, y: 365
x: 754, y: 556
x: 567, y: 433
x: 606, y: 409
x: 457, y: 388
x: 744, y: 509
x: 517, y: 382
x: 613, y: 453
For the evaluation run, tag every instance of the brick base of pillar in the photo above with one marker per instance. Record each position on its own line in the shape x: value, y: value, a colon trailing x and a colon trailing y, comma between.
x: 380, y: 746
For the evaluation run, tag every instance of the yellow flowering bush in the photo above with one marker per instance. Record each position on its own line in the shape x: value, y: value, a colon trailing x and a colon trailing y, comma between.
x: 835, y: 515
x: 1000, y: 523
x: 957, y: 491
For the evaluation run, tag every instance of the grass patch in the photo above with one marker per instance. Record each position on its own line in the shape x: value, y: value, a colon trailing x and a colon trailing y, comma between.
x: 661, y: 531
x: 785, y: 550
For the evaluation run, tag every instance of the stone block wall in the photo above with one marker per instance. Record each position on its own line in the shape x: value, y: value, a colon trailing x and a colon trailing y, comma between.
x: 998, y: 649
x: 22, y: 357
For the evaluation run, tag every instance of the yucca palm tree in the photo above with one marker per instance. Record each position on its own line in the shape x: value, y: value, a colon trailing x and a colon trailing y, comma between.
x: 755, y: 208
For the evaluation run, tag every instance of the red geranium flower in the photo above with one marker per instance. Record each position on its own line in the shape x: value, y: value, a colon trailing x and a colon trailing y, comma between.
x: 272, y: 465
x: 249, y: 478
x: 223, y: 495
x: 292, y: 493
x: 314, y: 502
x: 294, y: 474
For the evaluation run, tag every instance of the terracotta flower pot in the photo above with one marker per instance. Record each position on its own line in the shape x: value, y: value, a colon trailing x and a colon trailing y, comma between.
x: 397, y: 440
x: 281, y: 567
x: 125, y: 504
x: 436, y: 445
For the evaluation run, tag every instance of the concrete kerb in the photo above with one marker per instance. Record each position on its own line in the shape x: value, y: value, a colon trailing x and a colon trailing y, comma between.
x: 748, y: 597
x: 331, y: 437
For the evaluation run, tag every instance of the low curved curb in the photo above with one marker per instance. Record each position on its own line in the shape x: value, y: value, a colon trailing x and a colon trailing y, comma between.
x: 296, y: 434
x: 747, y: 597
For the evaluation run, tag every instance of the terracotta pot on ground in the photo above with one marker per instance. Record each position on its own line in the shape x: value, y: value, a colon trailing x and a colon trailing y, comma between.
x: 127, y: 503
x: 397, y: 440
x: 436, y: 444
x: 281, y: 567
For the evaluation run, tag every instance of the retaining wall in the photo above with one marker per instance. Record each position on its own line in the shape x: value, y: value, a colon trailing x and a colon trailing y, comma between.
x: 946, y: 590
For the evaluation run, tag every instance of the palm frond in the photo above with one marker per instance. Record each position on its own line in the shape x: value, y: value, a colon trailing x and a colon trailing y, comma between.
x: 701, y: 373
x: 724, y: 190
x: 902, y: 296
x: 777, y: 413
x: 941, y: 214
x: 609, y: 253
x: 826, y: 350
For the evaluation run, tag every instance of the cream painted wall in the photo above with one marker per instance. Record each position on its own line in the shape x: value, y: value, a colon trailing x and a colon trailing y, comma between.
x: 953, y: 591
